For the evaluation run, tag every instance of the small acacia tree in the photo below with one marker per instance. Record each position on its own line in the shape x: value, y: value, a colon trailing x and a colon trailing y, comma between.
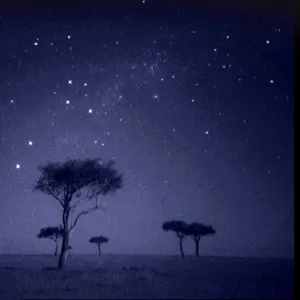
x: 197, y: 230
x: 98, y: 240
x: 75, y: 181
x: 53, y: 233
x: 180, y: 228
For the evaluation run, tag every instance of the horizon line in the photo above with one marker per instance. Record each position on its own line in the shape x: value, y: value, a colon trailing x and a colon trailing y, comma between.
x: 154, y: 254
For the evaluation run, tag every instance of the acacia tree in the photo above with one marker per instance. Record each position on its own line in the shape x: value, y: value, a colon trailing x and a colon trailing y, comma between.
x: 180, y: 228
x: 53, y: 233
x: 98, y: 240
x: 197, y: 230
x: 75, y: 182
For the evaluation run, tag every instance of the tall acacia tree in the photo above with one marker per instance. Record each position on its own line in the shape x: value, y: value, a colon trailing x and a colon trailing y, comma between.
x: 181, y: 230
x: 98, y: 240
x: 198, y: 230
x: 74, y: 182
x: 53, y: 233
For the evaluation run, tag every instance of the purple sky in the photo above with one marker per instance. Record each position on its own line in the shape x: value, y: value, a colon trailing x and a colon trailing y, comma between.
x: 196, y: 109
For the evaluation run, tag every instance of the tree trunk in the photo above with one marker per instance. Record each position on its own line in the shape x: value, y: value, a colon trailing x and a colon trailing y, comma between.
x: 64, y: 250
x: 56, y: 248
x: 197, y: 247
x: 65, y: 240
x: 99, y: 250
x: 181, y: 247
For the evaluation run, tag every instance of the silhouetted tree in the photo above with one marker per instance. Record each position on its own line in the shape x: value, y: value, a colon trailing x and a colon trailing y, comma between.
x: 197, y: 230
x: 98, y: 240
x: 75, y: 181
x: 180, y: 228
x: 53, y: 233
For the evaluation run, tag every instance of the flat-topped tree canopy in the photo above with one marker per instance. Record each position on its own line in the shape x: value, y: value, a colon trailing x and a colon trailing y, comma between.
x: 98, y: 239
x: 51, y: 232
x: 196, y: 228
x: 63, y: 180
x: 176, y: 226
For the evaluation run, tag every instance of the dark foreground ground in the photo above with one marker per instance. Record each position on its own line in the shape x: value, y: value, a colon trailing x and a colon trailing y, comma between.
x: 122, y: 276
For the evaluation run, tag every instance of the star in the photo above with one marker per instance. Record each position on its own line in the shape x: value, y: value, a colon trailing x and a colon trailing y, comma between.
x: 67, y: 101
x: 12, y: 101
x: 271, y: 81
x: 267, y: 42
x: 193, y: 100
x: 85, y: 84
x: 90, y: 110
x: 30, y: 143
x: 69, y: 37
x: 206, y: 132
x: 70, y: 81
x: 18, y: 166
x: 35, y: 43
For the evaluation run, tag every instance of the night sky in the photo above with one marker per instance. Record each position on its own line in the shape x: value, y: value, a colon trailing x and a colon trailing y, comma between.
x: 196, y: 108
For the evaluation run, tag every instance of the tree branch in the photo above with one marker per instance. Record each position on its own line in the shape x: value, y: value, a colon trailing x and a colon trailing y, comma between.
x: 84, y: 212
x: 54, y: 196
x: 73, y: 207
x: 53, y: 239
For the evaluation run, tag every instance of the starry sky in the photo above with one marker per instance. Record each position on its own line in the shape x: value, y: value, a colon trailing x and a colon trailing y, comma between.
x: 196, y: 108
